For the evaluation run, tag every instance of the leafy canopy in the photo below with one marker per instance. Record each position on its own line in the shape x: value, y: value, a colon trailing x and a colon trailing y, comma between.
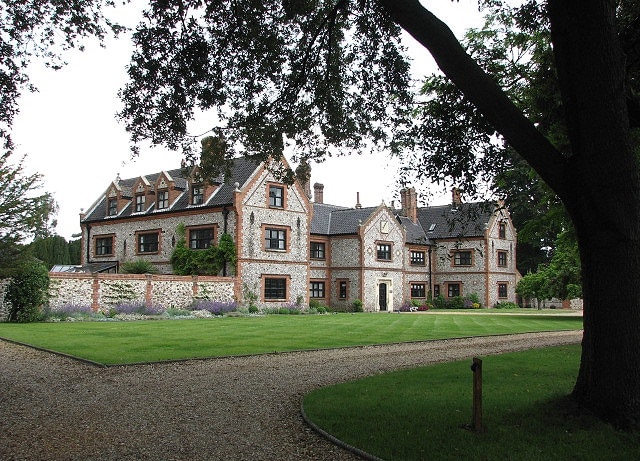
x: 317, y: 77
x: 456, y: 140
x: 23, y: 213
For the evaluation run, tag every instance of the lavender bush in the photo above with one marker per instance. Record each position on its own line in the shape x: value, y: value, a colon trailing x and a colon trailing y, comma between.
x: 136, y: 307
x: 69, y: 311
x: 214, y: 307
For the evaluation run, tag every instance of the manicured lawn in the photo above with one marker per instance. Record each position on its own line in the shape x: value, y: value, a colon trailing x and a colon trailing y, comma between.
x: 418, y: 414
x: 139, y: 341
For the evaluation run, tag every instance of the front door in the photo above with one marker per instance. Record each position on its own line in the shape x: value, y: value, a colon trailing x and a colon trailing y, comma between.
x: 382, y: 296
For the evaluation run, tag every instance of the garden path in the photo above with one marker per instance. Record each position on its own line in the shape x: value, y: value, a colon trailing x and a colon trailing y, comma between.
x: 239, y: 408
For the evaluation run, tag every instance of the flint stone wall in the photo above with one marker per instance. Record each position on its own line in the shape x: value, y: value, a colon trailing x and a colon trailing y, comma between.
x: 101, y: 291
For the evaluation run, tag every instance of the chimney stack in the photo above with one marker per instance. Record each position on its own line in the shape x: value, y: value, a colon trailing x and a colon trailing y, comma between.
x: 456, y: 197
x: 358, y: 205
x: 409, y: 203
x: 303, y: 173
x: 318, y: 192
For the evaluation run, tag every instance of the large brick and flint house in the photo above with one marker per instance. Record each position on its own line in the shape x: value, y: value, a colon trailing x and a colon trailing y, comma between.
x: 290, y: 248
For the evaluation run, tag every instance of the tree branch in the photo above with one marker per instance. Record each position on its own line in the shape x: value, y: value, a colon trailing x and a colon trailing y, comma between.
x: 480, y: 89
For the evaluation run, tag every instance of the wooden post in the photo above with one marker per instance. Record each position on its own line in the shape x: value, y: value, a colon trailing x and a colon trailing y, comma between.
x: 476, y: 422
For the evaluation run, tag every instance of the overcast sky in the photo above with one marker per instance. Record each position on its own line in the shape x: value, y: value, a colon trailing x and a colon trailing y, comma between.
x: 69, y: 133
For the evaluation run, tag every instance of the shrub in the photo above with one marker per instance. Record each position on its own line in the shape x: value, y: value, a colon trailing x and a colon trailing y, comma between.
x: 295, y: 308
x: 356, y: 305
x: 253, y: 309
x: 321, y: 310
x: 69, y: 311
x: 136, y: 307
x: 456, y: 302
x: 439, y: 302
x: 474, y: 298
x: 27, y: 291
x: 138, y: 266
x: 506, y: 305
x: 314, y: 304
x: 175, y: 312
x: 213, y: 307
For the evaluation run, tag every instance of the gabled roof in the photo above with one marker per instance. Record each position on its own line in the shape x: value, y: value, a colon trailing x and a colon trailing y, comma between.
x: 241, y: 170
x: 464, y: 220
x: 337, y: 220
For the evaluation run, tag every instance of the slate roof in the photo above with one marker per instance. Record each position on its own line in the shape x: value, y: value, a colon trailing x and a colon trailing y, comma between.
x: 466, y: 220
x: 241, y: 170
x: 446, y: 221
x: 321, y: 222
x: 415, y: 232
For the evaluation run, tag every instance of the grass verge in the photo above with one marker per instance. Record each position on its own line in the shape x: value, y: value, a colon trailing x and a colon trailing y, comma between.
x: 420, y: 413
x: 148, y: 341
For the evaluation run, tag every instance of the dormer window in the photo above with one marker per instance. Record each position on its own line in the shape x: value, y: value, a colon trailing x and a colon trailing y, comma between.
x: 197, y: 195
x: 163, y: 199
x: 112, y: 207
x: 140, y: 201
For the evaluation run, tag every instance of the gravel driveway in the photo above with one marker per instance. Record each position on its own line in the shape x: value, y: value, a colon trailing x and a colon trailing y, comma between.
x: 241, y: 408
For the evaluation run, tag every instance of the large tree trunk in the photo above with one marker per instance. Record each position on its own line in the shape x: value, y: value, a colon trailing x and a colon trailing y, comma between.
x: 604, y: 203
x: 598, y: 181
